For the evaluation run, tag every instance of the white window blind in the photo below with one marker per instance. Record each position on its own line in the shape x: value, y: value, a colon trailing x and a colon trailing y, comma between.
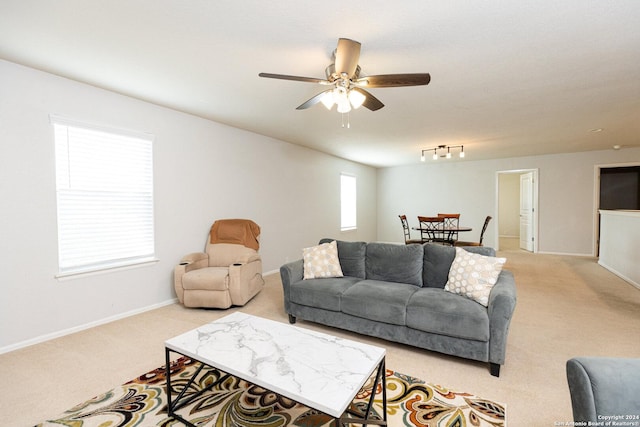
x: 104, y: 182
x: 347, y: 202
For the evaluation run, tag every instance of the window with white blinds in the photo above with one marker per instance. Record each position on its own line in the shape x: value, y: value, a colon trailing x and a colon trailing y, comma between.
x: 104, y: 183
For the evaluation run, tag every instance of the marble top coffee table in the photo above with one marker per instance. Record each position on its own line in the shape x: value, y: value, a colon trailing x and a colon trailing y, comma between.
x: 318, y: 370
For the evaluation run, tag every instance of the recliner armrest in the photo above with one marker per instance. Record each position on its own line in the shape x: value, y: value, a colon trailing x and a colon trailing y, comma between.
x: 245, y: 279
x: 195, y: 260
x: 189, y: 262
x: 247, y: 259
x: 240, y: 264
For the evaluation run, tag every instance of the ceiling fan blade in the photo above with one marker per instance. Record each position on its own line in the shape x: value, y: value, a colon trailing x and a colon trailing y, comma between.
x: 313, y: 101
x: 371, y: 102
x: 347, y: 57
x: 296, y: 78
x: 395, y: 80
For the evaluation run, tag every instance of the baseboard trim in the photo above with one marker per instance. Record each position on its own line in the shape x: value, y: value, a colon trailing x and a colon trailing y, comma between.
x: 62, y: 333
x: 566, y: 254
x: 58, y: 334
x: 620, y: 275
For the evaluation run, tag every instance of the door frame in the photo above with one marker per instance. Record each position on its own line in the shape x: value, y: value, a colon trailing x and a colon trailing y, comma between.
x: 536, y: 206
x: 596, y: 199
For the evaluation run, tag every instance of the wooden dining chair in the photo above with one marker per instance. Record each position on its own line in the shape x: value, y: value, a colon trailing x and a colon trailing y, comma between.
x: 407, y: 234
x: 431, y: 228
x: 451, y: 222
x: 478, y: 243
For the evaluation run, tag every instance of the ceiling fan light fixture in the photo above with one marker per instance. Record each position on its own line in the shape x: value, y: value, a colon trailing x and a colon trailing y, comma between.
x: 338, y: 94
x: 346, y: 85
x: 356, y: 98
x: 327, y: 100
x: 344, y: 107
x: 341, y: 99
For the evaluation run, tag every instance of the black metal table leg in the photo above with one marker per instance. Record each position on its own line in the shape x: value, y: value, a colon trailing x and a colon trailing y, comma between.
x: 180, y: 401
x: 366, y: 419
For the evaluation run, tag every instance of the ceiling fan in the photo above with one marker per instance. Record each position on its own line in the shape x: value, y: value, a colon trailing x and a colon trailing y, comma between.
x: 347, y: 89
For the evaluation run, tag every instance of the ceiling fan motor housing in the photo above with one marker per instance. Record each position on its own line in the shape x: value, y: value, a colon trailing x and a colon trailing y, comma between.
x: 332, y: 75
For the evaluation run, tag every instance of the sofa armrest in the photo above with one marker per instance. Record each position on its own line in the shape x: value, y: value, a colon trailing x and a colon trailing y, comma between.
x: 502, y: 303
x: 603, y: 386
x: 290, y: 273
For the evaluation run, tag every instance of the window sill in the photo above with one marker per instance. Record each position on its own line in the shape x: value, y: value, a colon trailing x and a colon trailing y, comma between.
x: 68, y: 275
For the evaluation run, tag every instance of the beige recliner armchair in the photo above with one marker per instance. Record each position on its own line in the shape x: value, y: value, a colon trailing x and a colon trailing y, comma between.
x: 228, y: 273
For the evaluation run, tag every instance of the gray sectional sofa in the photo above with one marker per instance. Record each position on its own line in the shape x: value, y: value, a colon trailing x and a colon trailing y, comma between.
x: 396, y: 292
x: 604, y: 390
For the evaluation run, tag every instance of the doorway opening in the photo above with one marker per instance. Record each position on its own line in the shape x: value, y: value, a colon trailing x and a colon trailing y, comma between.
x: 517, y: 210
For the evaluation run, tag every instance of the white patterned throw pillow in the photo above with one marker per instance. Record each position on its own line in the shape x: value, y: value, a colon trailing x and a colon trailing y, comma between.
x: 321, y: 261
x: 473, y: 275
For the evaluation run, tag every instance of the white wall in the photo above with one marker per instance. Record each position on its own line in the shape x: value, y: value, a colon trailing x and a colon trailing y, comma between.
x: 202, y: 171
x: 566, y: 195
x: 620, y: 244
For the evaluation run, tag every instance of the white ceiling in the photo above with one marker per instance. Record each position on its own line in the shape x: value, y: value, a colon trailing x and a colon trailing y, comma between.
x: 508, y: 79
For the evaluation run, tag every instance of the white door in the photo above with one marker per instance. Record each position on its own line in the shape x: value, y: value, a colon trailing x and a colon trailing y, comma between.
x: 526, y: 211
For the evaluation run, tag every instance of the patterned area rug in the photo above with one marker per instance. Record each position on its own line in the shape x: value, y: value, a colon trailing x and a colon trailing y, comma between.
x: 234, y: 402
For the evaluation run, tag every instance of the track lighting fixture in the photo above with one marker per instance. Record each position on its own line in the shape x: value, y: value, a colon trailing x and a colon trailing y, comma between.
x: 439, y: 151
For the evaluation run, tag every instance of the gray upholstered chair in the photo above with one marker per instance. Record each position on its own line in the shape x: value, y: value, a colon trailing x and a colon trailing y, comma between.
x: 228, y: 272
x: 602, y: 386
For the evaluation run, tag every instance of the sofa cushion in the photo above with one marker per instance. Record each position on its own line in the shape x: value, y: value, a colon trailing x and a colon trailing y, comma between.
x: 440, y: 312
x: 321, y: 293
x: 394, y: 263
x: 438, y: 259
x: 473, y: 275
x: 379, y: 301
x: 321, y: 261
x: 351, y: 256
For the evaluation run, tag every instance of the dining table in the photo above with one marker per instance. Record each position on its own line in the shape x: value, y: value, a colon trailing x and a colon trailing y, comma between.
x: 459, y: 228
x: 449, y: 230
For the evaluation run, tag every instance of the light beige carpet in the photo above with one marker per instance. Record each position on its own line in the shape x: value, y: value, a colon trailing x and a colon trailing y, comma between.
x: 230, y: 402
x: 567, y: 306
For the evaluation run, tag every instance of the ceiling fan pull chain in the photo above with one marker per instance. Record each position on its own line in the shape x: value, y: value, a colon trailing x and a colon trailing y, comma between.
x: 348, y: 126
